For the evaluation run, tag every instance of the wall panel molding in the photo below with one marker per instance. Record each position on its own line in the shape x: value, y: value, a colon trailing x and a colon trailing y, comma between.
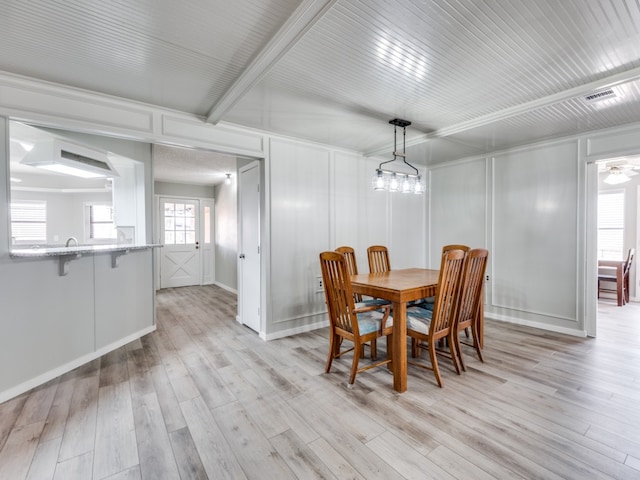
x: 33, y: 101
x: 196, y: 133
x: 619, y: 142
x: 64, y: 107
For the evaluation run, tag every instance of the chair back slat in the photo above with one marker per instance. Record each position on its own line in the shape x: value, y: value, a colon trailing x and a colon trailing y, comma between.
x: 378, y: 256
x: 446, y: 301
x: 475, y: 266
x: 350, y: 257
x: 629, y: 261
x: 339, y: 295
x: 352, y: 265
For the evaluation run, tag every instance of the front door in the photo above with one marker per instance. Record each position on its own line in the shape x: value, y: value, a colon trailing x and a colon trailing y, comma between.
x: 180, y: 233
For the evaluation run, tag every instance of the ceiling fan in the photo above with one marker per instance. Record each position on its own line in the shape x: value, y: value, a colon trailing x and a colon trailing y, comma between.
x: 618, y: 171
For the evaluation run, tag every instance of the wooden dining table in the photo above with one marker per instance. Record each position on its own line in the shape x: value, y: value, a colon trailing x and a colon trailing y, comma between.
x: 399, y: 287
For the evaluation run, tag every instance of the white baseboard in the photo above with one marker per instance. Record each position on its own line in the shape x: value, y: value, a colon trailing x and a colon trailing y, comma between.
x: 538, y: 325
x: 225, y: 287
x: 295, y: 331
x: 61, y: 370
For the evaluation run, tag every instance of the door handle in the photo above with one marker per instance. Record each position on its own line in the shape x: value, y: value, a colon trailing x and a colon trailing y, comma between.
x: 242, y: 255
x: 197, y: 245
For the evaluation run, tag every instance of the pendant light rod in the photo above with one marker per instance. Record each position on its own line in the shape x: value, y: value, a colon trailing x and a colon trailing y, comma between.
x: 398, y: 122
x: 396, y: 180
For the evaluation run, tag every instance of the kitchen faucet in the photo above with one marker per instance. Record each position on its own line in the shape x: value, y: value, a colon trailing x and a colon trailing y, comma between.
x: 70, y: 239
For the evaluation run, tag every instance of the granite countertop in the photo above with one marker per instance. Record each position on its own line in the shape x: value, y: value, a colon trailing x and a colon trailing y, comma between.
x: 79, y: 250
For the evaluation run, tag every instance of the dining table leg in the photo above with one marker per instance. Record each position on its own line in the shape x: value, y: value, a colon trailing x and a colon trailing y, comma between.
x: 399, y: 351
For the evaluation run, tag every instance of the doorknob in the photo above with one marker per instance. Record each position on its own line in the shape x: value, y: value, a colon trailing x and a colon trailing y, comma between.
x: 242, y: 255
x: 197, y: 245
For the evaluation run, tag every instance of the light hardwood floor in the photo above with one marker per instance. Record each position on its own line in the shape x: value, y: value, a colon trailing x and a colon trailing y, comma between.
x: 204, y: 397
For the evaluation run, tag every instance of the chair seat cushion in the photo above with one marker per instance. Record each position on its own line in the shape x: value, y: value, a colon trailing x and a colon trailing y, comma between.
x: 369, y: 322
x: 372, y: 301
x: 424, y: 305
x: 419, y: 319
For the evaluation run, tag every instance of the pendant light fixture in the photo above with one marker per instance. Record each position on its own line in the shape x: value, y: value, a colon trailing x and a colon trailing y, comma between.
x: 396, y: 180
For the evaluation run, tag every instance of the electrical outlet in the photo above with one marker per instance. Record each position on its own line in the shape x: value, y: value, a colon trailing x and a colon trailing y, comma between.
x: 319, y: 285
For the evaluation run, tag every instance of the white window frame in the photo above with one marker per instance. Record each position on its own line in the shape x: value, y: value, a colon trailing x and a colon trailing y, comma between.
x: 614, y: 225
x: 88, y: 224
x: 42, y: 223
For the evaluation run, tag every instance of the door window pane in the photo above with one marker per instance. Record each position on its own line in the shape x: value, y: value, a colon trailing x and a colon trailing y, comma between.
x: 207, y: 225
x: 180, y: 221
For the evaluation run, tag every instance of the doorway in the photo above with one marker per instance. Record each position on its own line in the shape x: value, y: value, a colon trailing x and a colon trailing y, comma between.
x: 610, y: 240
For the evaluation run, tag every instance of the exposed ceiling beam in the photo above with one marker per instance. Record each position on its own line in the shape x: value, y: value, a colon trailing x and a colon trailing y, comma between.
x: 304, y: 17
x: 521, y: 109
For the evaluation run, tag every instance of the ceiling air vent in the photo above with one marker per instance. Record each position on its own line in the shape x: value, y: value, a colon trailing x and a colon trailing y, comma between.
x: 599, y: 96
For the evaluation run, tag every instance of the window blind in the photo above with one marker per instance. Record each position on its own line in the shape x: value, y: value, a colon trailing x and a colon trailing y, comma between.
x: 29, y: 221
x: 611, y: 225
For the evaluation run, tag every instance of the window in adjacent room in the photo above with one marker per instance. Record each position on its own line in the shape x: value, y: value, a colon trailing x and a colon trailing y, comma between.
x: 611, y: 225
x: 99, y: 226
x: 28, y: 222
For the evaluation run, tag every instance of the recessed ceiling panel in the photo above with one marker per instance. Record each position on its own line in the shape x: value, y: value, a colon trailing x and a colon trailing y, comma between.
x: 439, y: 64
x: 442, y: 63
x: 570, y: 117
x: 180, y: 55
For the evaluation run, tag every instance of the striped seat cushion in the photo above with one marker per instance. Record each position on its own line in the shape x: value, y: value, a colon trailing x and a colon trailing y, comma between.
x: 419, y: 319
x: 370, y: 321
x: 372, y: 301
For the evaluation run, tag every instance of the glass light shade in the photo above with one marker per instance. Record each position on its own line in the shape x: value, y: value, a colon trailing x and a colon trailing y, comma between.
x: 407, y: 184
x: 616, y: 178
x: 378, y: 181
x: 393, y: 183
x: 227, y: 180
x: 419, y: 187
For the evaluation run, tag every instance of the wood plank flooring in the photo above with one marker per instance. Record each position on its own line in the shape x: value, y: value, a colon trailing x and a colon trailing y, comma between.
x: 204, y: 398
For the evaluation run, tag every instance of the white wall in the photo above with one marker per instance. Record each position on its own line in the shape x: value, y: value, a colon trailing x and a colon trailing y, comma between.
x: 182, y: 190
x: 534, y: 208
x: 226, y: 235
x: 321, y: 198
x: 523, y: 206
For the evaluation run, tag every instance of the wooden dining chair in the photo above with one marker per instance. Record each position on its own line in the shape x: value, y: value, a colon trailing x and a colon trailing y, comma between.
x: 378, y: 256
x: 352, y: 266
x: 620, y: 278
x: 346, y: 322
x: 470, y: 301
x: 429, y: 301
x: 427, y: 327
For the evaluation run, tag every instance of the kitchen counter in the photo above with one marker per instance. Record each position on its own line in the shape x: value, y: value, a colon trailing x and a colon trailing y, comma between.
x: 65, y: 255
x: 78, y: 250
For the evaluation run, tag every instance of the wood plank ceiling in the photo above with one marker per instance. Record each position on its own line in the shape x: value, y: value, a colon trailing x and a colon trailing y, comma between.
x: 473, y: 77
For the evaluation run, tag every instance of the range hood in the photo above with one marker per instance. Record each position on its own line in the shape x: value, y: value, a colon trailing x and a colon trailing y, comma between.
x: 70, y: 158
